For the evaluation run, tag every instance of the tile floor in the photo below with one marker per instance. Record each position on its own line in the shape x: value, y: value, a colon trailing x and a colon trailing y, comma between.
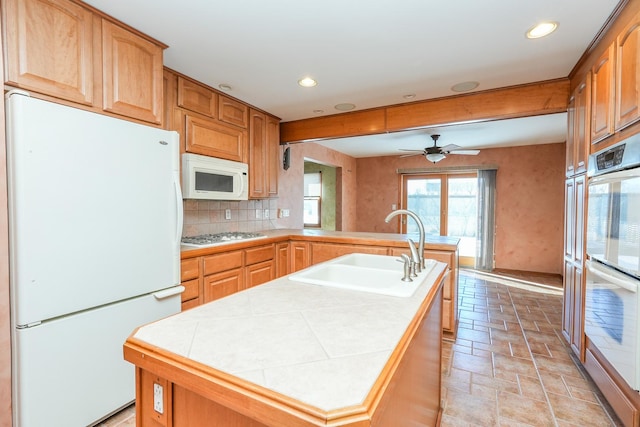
x: 509, y: 365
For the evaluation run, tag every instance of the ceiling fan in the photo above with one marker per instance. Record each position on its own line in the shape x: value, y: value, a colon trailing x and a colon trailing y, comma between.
x: 435, y: 154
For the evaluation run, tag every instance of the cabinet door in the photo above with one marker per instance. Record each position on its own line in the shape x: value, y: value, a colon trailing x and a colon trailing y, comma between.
x: 260, y: 273
x: 626, y: 78
x: 571, y: 137
x: 300, y: 256
x: 567, y: 302
x: 602, y: 90
x: 273, y: 155
x: 211, y: 138
x: 577, y: 326
x: 49, y: 48
x: 283, y: 260
x: 582, y: 132
x: 579, y: 215
x: 569, y: 219
x: 233, y: 112
x: 220, y: 285
x: 132, y: 74
x: 257, y: 154
x: 195, y: 97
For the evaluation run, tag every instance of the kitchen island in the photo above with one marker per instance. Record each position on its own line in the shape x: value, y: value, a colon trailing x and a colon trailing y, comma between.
x: 291, y: 354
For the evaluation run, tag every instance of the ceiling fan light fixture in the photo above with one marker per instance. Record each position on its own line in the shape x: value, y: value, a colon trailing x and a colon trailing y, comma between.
x: 542, y: 29
x: 435, y: 157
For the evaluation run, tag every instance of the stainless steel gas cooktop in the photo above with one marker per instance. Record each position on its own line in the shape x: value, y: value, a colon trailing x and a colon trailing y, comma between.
x: 219, y: 238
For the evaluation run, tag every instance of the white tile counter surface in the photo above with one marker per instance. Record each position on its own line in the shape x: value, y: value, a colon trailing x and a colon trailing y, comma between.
x: 322, y: 346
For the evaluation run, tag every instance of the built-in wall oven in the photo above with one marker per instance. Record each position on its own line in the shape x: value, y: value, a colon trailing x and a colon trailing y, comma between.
x: 612, y: 299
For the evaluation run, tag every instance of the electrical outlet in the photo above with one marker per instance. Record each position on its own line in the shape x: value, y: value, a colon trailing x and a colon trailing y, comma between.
x: 285, y: 213
x: 266, y: 214
x: 258, y: 213
x: 158, y: 401
x: 227, y: 214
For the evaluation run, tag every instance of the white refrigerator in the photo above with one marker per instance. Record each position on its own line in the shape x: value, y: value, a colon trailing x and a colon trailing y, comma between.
x: 95, y: 219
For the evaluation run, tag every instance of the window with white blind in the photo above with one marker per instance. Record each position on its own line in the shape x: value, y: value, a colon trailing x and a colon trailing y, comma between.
x: 312, y: 199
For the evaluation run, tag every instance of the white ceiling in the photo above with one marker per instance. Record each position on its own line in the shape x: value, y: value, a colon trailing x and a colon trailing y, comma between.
x: 368, y: 52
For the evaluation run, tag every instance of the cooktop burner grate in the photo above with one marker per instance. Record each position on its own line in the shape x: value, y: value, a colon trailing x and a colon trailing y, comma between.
x: 213, y: 239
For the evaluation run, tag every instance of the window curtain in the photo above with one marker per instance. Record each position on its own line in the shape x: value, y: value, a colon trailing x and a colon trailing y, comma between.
x: 486, y: 219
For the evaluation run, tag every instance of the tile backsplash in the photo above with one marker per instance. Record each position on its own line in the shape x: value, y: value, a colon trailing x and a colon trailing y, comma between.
x: 205, y: 216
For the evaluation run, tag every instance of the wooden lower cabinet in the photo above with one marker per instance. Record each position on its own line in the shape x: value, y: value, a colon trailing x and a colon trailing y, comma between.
x: 260, y: 273
x: 223, y: 284
x: 190, y: 278
x: 300, y: 256
x: 283, y: 259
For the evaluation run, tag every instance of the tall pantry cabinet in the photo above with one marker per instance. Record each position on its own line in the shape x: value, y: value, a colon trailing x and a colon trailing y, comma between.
x: 578, y: 145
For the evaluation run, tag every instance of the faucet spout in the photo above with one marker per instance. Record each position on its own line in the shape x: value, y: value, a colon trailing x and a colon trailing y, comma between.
x: 420, y: 229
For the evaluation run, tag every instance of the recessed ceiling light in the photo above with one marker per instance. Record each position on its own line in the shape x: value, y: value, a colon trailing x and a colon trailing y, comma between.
x: 542, y: 29
x: 409, y: 96
x: 318, y: 111
x: 307, y: 82
x: 345, y: 106
x: 225, y: 86
x: 465, y: 86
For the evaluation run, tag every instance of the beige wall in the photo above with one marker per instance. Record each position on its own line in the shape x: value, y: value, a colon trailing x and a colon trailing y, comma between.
x: 529, y: 200
x: 291, y: 185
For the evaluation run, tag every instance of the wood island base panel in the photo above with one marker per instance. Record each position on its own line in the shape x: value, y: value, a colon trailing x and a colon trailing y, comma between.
x: 248, y: 360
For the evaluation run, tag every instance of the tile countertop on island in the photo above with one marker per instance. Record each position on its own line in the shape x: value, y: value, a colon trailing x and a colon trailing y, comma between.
x: 356, y: 237
x: 322, y: 346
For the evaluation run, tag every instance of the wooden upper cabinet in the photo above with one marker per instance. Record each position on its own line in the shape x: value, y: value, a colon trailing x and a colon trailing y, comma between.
x: 233, y: 112
x: 627, y: 78
x: 273, y: 155
x: 132, y: 74
x: 211, y: 138
x: 50, y: 48
x: 602, y: 96
x: 196, y: 98
x: 257, y: 154
x: 582, y: 133
x: 571, y: 124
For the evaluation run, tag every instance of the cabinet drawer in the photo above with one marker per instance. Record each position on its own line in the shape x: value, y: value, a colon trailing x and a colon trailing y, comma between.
x: 189, y: 304
x: 189, y: 269
x: 191, y: 290
x: 259, y: 254
x: 222, y: 262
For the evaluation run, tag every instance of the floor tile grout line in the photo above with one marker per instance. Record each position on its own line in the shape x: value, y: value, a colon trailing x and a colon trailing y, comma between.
x: 535, y: 364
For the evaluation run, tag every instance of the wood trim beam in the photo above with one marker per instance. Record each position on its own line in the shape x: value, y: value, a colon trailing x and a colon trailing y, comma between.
x: 516, y: 101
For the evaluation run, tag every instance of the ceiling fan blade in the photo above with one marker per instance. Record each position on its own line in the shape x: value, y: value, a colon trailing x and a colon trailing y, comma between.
x: 407, y: 149
x: 449, y: 147
x: 410, y: 155
x: 468, y: 152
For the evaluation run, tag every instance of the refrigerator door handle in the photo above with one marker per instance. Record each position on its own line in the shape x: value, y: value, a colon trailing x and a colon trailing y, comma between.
x: 167, y: 293
x: 179, y: 209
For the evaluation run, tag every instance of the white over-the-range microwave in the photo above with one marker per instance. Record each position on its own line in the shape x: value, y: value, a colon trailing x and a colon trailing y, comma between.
x: 210, y: 178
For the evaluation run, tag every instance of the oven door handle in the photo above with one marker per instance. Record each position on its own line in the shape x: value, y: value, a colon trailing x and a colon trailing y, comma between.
x: 615, y: 176
x: 611, y: 277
